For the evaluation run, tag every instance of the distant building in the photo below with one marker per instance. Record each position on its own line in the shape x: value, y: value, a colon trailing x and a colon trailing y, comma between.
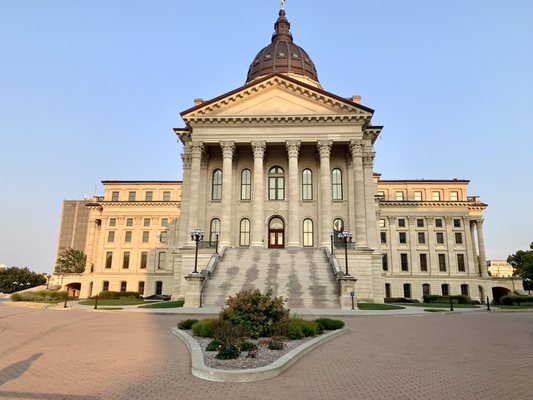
x: 73, y: 228
x: 500, y: 268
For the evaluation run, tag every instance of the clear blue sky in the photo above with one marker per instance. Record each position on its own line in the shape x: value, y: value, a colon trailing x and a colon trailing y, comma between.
x: 90, y: 90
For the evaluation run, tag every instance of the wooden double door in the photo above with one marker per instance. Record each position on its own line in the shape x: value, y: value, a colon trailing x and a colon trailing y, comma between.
x: 276, y: 233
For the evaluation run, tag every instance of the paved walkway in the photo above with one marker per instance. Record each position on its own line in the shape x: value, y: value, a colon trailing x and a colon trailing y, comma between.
x: 80, y: 355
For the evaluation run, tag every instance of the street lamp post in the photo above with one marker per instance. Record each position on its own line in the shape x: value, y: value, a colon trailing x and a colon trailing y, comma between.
x: 197, y: 236
x: 528, y: 280
x: 345, y: 237
x: 48, y: 280
x: 331, y: 237
x: 14, y: 286
x: 217, y: 234
x: 66, y: 297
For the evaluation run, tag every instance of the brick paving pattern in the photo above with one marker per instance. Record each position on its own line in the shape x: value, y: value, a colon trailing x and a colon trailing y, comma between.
x: 85, y: 355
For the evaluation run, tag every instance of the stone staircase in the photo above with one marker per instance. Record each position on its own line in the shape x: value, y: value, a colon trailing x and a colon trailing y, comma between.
x: 303, y: 276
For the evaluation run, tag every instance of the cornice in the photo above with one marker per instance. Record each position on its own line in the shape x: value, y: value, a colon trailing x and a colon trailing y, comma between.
x: 434, y: 204
x: 281, y: 119
x: 140, y: 203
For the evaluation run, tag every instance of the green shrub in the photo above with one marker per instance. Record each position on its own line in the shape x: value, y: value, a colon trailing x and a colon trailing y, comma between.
x: 15, y: 297
x: 203, y: 328
x: 214, y: 345
x: 186, y: 324
x: 456, y: 299
x: 109, y: 295
x: 275, y: 344
x: 516, y: 300
x: 227, y: 351
x: 247, y: 346
x: 299, y: 328
x: 295, y: 332
x: 38, y: 295
x: 259, y: 315
x: 329, y: 324
x: 227, y: 332
x: 129, y: 295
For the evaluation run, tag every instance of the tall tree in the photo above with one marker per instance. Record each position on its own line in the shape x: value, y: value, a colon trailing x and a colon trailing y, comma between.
x: 522, y: 262
x: 14, y: 279
x: 71, y: 261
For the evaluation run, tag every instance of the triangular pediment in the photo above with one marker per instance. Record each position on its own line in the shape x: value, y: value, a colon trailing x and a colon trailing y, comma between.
x: 276, y: 95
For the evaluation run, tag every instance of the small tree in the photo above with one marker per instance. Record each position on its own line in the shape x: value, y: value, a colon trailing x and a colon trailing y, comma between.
x: 71, y: 261
x: 522, y: 262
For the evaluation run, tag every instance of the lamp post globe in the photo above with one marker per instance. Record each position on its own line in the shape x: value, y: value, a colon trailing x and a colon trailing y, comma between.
x: 196, y: 236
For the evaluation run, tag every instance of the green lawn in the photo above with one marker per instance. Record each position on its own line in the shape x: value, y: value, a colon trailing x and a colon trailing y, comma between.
x: 522, y: 307
x: 112, y: 302
x: 164, y: 304
x: 377, y: 306
x: 440, y: 305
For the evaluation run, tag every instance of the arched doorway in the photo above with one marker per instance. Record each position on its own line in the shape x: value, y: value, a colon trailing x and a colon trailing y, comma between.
x: 73, y: 289
x: 498, y: 292
x: 276, y: 233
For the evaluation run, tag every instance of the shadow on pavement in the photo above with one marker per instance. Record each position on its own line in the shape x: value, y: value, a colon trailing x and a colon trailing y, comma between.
x: 15, y: 370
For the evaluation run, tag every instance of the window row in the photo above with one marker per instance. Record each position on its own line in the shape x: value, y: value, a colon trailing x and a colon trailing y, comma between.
x: 145, y: 236
x: 436, y: 195
x: 132, y: 196
x: 426, y: 290
x: 421, y: 237
x: 158, y: 287
x: 421, y: 223
x: 423, y: 262
x: 146, y: 221
x: 276, y: 184
x: 143, y: 260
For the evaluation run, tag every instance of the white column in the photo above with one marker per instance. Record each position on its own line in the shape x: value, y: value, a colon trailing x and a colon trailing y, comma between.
x: 481, y: 245
x: 258, y: 196
x: 185, y: 193
x: 356, y: 148
x: 474, y: 249
x: 370, y: 191
x: 326, y: 224
x: 293, y: 149
x: 228, y: 148
x: 197, y: 149
x: 471, y: 260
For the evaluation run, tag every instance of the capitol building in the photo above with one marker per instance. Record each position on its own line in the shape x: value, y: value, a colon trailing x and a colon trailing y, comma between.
x: 280, y: 188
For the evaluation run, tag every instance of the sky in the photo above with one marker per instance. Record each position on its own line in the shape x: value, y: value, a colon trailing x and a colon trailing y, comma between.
x: 90, y: 90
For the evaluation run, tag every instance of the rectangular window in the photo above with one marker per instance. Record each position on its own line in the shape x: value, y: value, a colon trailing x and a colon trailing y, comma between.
x: 454, y: 196
x: 423, y: 262
x: 426, y: 289
x: 129, y: 221
x: 383, y: 237
x: 387, y: 290
x: 164, y: 221
x: 418, y: 196
x: 382, y: 223
x: 435, y: 196
x: 126, y: 260
x: 140, y: 289
x: 158, y: 287
x: 144, y: 259
x: 161, y: 260
x: 403, y: 237
x: 464, y: 290
x: 123, y: 286
x: 110, y: 236
x: 112, y: 222
x: 108, y: 259
x: 127, y: 237
x: 461, y: 262
x: 146, y: 222
x: 407, y: 290
x: 438, y: 223
x: 404, y: 262
x: 421, y: 238
x: 114, y: 196
x: 442, y: 262
x: 458, y: 238
x: 105, y: 286
x: 445, y: 289
x: 385, y: 263
x: 399, y: 196
x: 146, y: 236
x: 420, y: 222
x: 246, y: 184
x: 163, y: 237
x: 440, y: 238
x: 149, y: 196
x: 166, y: 196
x: 401, y: 222
x: 131, y: 196
x: 307, y: 184
x: 456, y: 223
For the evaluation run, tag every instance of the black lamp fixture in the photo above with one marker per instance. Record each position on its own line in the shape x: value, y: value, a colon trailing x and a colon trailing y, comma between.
x: 196, y: 236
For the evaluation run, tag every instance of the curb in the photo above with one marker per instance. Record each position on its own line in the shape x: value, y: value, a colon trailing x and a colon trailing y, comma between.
x: 200, y: 370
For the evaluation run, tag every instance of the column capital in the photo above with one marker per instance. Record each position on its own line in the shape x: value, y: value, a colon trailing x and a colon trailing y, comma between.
x: 356, y: 148
x: 293, y: 148
x: 186, y: 158
x: 430, y: 221
x: 196, y: 149
x: 228, y: 148
x: 392, y: 219
x: 368, y: 159
x: 448, y: 220
x: 411, y: 220
x: 259, y: 148
x: 324, y: 148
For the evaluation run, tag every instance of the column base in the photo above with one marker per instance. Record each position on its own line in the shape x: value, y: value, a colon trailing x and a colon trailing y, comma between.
x: 257, y: 244
x: 293, y: 245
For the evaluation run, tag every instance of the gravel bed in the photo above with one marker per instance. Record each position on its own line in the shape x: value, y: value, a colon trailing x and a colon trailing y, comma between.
x: 263, y: 357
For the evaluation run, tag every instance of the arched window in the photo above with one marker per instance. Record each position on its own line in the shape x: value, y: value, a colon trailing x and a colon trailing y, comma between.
x: 216, y: 191
x: 336, y: 182
x: 276, y: 183
x: 338, y: 226
x: 307, y: 184
x: 214, y: 229
x: 308, y: 233
x: 246, y: 184
x: 244, y: 234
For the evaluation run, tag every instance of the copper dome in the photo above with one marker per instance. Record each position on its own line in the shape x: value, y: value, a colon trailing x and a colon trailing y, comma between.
x: 282, y: 55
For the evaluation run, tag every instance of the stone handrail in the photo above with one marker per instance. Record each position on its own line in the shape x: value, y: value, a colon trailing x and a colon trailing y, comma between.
x: 334, y: 264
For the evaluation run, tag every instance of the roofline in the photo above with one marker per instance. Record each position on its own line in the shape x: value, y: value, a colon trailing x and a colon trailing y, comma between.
x: 142, y: 182
x: 280, y: 74
x: 423, y: 180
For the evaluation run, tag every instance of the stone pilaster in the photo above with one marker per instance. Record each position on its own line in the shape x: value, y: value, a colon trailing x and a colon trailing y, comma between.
x: 413, y: 242
x: 471, y: 260
x: 393, y: 261
x: 293, y: 149
x: 356, y: 147
x: 481, y: 245
x: 228, y: 148
x: 450, y: 244
x: 196, y: 149
x: 324, y: 149
x: 370, y: 191
x: 430, y: 257
x: 258, y: 196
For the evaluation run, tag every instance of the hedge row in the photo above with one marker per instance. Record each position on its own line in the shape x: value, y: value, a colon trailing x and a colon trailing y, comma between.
x: 516, y: 300
x: 456, y: 299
